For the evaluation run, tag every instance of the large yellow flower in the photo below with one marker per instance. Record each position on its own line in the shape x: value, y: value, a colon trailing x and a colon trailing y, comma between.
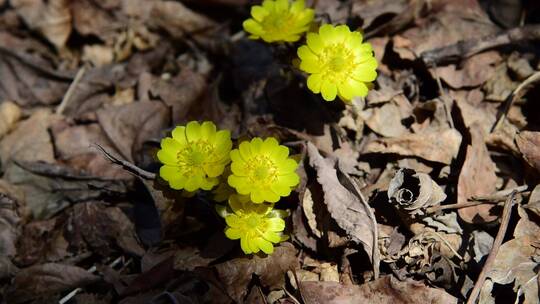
x: 339, y: 63
x: 195, y: 156
x: 279, y: 20
x: 263, y: 170
x: 258, y: 226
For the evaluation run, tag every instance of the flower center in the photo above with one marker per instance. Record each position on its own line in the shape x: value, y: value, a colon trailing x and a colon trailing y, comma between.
x: 278, y: 23
x: 339, y: 60
x: 195, y: 155
x: 337, y: 64
x: 262, y: 169
x: 253, y: 221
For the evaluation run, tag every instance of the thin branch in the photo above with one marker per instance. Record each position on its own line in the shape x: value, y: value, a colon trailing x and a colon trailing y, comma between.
x: 67, y: 97
x: 516, y: 94
x: 507, y: 212
x: 467, y: 48
x: 126, y: 165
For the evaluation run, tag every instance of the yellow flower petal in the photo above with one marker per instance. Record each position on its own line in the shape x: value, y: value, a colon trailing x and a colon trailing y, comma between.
x: 208, y: 130
x: 166, y: 157
x: 315, y: 43
x: 281, y: 189
x: 179, y: 134
x: 271, y: 236
x: 265, y: 245
x: 281, y: 5
x: 297, y: 7
x: 244, y: 244
x: 305, y: 53
x: 259, y: 12
x: 275, y: 224
x: 328, y: 90
x: 193, y: 131
x: 251, y: 26
x: 289, y: 179
x: 314, y: 83
x: 233, y: 234
x: 245, y: 150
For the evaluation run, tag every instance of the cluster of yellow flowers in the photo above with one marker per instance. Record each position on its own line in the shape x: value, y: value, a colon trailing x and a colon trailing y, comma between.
x: 251, y: 178
x: 336, y: 59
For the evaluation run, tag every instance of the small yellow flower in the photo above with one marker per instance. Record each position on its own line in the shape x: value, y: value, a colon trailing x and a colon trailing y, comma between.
x: 195, y: 156
x: 258, y: 226
x: 263, y: 170
x: 279, y: 20
x: 339, y: 63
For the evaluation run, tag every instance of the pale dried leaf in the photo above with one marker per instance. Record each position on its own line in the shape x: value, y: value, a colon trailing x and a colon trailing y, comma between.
x: 529, y: 145
x: 440, y: 147
x: 30, y: 140
x: 10, y: 113
x: 345, y: 207
x: 382, y: 291
x: 477, y: 178
x: 51, y: 18
x: 385, y: 120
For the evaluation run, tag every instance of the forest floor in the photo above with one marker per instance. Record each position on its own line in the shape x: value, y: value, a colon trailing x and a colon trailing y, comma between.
x: 424, y: 191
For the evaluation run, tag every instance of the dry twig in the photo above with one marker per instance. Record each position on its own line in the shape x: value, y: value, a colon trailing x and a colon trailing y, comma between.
x: 507, y: 212
x: 127, y: 165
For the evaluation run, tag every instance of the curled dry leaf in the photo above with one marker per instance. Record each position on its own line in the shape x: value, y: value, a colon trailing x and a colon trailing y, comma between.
x: 236, y: 274
x: 529, y: 145
x: 441, y: 147
x: 51, y: 18
x: 413, y: 192
x: 382, y: 291
x: 45, y: 280
x: 10, y: 113
x: 346, y: 208
x: 477, y: 178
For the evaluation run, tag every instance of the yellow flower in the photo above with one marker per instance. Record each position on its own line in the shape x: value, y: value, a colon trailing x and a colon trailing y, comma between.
x: 263, y: 170
x: 279, y: 20
x: 339, y: 63
x: 195, y: 156
x: 258, y: 226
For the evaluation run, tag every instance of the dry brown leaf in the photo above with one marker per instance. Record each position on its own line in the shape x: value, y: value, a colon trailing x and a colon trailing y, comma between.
x: 472, y: 73
x: 456, y: 21
x: 236, y: 274
x: 477, y: 178
x: 529, y: 145
x: 345, y: 207
x: 92, y: 18
x: 73, y: 146
x: 441, y: 147
x: 51, y: 18
x: 50, y: 188
x: 130, y: 125
x: 177, y: 19
x: 382, y: 291
x: 98, y: 54
x: 515, y: 262
x: 189, y: 258
x: 30, y: 140
x: 28, y: 80
x: 47, y: 279
x: 10, y: 113
x: 385, y: 120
